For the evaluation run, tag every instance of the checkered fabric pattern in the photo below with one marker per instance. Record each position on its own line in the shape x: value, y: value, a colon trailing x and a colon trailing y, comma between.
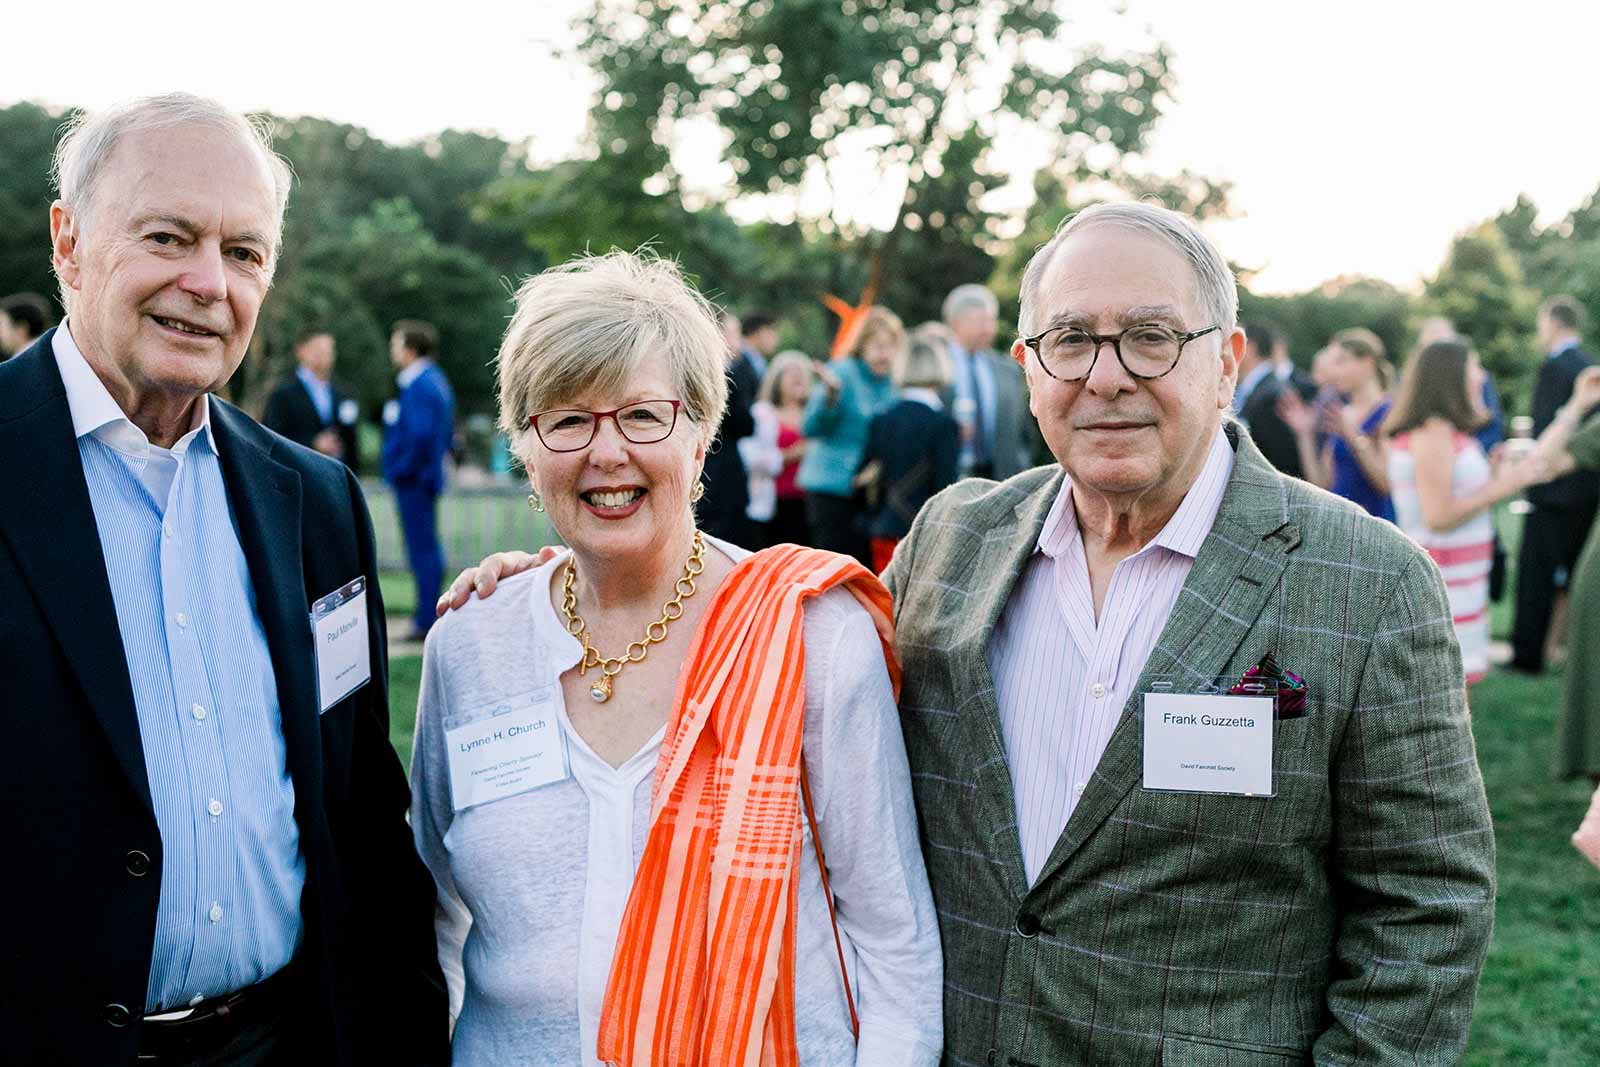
x: 1344, y: 920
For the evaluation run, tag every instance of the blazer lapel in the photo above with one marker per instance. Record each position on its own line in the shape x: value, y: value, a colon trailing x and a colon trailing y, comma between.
x: 266, y: 500
x: 1006, y: 548
x: 1222, y: 599
x: 58, y: 547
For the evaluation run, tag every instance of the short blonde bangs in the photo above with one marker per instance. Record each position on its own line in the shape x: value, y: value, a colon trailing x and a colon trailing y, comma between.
x: 589, y: 325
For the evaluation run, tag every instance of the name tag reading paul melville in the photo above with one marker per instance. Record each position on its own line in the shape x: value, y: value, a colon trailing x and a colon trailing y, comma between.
x: 516, y: 747
x: 344, y: 655
x: 1208, y: 743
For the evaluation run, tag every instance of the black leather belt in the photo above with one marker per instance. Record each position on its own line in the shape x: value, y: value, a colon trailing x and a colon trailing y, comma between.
x: 211, y: 1023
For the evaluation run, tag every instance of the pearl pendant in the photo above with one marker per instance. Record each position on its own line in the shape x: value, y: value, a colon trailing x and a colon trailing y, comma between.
x: 600, y: 692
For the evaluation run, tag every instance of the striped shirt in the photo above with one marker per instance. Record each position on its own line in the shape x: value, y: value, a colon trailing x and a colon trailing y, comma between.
x: 204, y: 693
x: 1061, y: 679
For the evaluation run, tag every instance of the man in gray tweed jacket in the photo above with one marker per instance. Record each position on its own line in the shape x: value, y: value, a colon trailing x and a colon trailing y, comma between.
x: 1086, y: 918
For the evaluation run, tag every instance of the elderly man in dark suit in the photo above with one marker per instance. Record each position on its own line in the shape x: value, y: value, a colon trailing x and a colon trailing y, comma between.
x: 309, y: 408
x: 1564, y: 509
x: 215, y: 865
x: 987, y: 394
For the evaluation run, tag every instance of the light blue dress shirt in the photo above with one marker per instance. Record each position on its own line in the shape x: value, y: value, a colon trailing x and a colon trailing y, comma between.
x: 321, y: 393
x: 205, y: 696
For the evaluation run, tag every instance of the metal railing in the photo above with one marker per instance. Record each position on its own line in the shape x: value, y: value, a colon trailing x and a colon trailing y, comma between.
x: 473, y: 522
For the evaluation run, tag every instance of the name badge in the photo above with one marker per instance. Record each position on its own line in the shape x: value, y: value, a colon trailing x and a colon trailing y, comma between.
x: 391, y: 412
x: 1208, y: 743
x: 515, y: 747
x: 348, y: 412
x: 344, y: 655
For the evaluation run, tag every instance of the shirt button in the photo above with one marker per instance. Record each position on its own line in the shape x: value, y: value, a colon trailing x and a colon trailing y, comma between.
x: 214, y: 806
x: 198, y: 712
x: 215, y: 914
x: 170, y: 530
x: 1098, y: 690
x: 197, y: 998
x: 183, y: 620
x: 1079, y: 787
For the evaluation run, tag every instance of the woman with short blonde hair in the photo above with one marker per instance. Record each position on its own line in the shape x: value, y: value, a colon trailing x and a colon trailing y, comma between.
x: 773, y: 452
x: 631, y: 760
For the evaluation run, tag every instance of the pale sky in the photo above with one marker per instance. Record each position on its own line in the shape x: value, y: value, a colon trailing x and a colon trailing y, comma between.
x: 1360, y: 136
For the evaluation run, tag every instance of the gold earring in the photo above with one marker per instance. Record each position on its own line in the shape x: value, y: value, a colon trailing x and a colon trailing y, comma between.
x: 535, y: 501
x: 699, y: 491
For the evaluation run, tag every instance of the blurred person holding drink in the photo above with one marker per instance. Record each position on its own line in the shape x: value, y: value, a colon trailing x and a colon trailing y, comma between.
x: 1343, y: 451
x: 773, y: 451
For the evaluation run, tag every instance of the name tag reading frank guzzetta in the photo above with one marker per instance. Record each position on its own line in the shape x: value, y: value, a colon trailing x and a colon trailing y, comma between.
x: 1208, y: 743
x: 344, y: 654
x: 509, y: 749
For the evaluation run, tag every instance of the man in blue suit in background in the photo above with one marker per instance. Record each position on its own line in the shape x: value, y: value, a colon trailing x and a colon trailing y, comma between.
x: 418, y: 434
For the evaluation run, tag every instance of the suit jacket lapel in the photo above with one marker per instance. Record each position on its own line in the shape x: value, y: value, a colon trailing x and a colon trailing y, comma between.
x: 1222, y: 599
x: 266, y: 499
x: 1006, y: 548
x: 58, y: 547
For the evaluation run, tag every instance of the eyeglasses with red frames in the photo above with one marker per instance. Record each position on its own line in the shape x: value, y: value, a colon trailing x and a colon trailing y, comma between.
x: 643, y: 422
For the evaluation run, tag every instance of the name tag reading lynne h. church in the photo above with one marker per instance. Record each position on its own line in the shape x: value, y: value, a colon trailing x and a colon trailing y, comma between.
x: 344, y: 653
x: 1208, y: 743
x: 505, y: 750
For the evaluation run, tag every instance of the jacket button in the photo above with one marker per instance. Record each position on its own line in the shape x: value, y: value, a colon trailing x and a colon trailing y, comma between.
x: 138, y: 864
x: 117, y: 1015
x: 1027, y: 924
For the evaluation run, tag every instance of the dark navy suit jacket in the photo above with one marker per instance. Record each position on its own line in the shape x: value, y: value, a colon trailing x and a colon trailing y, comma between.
x: 1557, y: 374
x: 414, y: 447
x: 918, y: 448
x: 84, y: 876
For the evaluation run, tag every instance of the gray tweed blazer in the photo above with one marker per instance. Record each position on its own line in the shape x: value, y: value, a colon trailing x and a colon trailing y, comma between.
x: 1344, y: 920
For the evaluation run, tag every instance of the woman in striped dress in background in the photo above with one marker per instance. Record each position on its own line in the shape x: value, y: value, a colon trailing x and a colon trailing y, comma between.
x: 1444, y: 487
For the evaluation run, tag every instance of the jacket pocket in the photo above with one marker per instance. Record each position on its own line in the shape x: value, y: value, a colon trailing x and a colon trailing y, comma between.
x: 1179, y: 1050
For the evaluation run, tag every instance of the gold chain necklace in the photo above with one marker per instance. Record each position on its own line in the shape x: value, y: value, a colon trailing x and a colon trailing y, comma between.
x: 611, y: 666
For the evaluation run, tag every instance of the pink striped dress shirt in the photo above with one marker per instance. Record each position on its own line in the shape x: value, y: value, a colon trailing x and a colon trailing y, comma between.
x: 1060, y: 679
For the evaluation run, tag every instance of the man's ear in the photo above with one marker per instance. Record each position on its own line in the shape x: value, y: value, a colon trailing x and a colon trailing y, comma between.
x: 1232, y: 352
x: 64, y: 243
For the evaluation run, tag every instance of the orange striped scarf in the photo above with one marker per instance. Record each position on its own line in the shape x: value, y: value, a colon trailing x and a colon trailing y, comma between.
x: 704, y: 967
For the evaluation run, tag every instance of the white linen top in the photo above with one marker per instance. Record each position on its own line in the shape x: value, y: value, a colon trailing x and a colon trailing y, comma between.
x: 532, y: 887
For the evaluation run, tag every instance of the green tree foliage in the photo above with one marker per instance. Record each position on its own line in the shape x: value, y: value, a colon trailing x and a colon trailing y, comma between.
x: 27, y: 139
x: 1309, y: 319
x: 1480, y: 288
x: 920, y: 87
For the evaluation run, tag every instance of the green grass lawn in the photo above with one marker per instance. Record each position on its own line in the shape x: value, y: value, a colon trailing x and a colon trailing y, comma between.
x: 1540, y: 997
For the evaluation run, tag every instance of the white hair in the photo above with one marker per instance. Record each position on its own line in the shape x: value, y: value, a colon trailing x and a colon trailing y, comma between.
x: 964, y: 297
x: 88, y: 141
x: 1214, y: 282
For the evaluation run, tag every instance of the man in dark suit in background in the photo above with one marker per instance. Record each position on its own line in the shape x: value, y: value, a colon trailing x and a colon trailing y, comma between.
x: 1563, y: 510
x: 24, y: 317
x: 420, y: 427
x: 1255, y: 401
x: 987, y: 393
x: 309, y: 409
x: 208, y: 855
x: 721, y: 511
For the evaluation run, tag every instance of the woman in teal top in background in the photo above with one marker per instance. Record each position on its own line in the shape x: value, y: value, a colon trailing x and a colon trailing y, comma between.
x: 848, y: 393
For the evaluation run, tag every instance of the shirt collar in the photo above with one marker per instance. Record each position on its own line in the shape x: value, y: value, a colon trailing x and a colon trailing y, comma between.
x: 311, y: 380
x: 94, y: 411
x: 1562, y: 347
x: 413, y: 372
x: 1251, y: 380
x: 1184, y: 533
x: 929, y: 397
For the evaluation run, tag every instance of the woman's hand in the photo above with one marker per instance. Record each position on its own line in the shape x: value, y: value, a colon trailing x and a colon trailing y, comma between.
x: 1586, y: 391
x: 1300, y: 416
x: 829, y: 380
x: 1587, y: 838
x: 486, y: 575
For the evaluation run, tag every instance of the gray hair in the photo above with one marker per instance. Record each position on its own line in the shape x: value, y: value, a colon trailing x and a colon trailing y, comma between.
x: 1214, y: 283
x: 591, y: 323
x: 965, y: 297
x: 88, y: 141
